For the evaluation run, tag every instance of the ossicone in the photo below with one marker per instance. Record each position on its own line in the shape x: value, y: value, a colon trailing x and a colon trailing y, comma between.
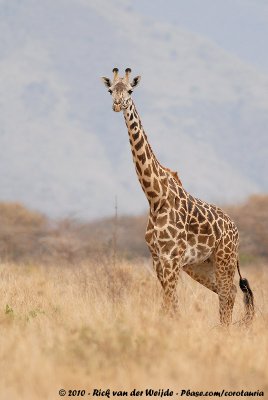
x: 115, y: 71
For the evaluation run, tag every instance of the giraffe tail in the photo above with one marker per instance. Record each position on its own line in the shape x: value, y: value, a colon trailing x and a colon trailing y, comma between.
x: 248, y: 298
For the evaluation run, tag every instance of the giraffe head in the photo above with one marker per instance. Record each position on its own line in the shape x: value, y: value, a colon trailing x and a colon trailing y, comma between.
x: 121, y: 88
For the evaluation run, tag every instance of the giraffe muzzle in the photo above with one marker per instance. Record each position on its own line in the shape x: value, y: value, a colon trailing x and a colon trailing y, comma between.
x: 117, y: 107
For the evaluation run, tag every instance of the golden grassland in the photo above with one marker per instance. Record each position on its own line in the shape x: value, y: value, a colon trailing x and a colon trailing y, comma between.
x: 98, y: 326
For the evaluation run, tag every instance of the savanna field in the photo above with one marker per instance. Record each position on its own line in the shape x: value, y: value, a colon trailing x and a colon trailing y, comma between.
x: 81, y: 308
x: 95, y: 323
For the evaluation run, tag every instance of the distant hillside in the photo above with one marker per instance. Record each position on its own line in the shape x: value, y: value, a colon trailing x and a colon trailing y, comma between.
x: 65, y: 152
x: 27, y: 236
x: 251, y: 218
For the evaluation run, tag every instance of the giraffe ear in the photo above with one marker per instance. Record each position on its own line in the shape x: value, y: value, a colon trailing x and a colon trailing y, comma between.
x: 106, y: 81
x: 136, y: 81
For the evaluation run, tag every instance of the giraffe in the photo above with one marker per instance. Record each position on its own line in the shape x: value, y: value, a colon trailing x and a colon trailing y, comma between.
x: 183, y: 232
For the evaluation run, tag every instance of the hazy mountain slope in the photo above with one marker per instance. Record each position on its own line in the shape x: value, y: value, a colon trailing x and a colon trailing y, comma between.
x: 63, y: 150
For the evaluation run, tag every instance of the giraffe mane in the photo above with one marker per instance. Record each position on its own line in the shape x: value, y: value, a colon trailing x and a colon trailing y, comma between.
x: 174, y: 174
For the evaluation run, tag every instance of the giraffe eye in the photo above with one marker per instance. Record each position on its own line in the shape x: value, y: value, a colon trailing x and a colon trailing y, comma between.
x: 110, y: 91
x: 130, y: 91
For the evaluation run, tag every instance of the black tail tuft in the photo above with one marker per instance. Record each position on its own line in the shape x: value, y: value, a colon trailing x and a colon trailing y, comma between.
x: 244, y: 286
x: 248, y: 299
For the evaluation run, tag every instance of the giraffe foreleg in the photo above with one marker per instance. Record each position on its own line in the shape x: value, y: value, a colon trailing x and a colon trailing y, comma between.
x: 168, y: 270
x: 170, y: 299
x: 167, y: 256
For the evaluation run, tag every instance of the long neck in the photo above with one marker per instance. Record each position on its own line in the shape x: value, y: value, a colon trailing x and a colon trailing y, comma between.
x: 151, y: 174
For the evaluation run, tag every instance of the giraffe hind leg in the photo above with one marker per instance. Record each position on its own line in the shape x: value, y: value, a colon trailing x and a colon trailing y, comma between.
x: 203, y: 273
x: 226, y: 289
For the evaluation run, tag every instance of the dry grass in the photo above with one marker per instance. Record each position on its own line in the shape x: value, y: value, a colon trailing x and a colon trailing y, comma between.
x: 92, y: 327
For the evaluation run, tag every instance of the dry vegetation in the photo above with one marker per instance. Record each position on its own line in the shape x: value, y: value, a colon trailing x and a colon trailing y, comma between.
x: 252, y: 221
x: 26, y: 236
x: 71, y: 319
x: 95, y: 326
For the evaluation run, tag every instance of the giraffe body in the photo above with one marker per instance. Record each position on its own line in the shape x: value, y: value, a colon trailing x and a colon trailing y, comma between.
x: 183, y: 232
x: 198, y: 238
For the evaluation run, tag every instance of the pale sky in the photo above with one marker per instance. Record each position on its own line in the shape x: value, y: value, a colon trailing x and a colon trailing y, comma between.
x: 238, y: 26
x: 203, y: 100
